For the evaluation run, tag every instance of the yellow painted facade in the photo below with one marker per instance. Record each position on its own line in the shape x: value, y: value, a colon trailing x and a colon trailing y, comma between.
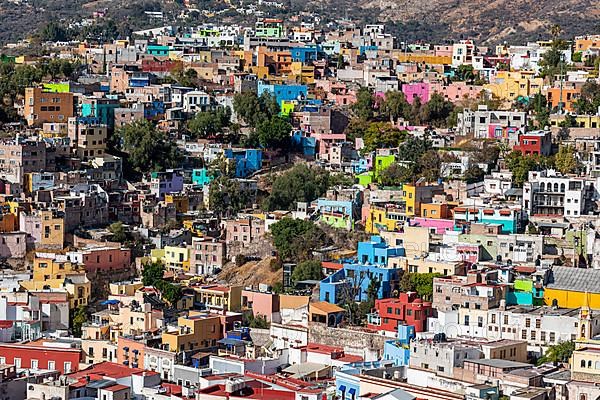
x: 509, y: 85
x: 181, y: 202
x: 174, y: 258
x: 571, y: 299
x: 196, y: 331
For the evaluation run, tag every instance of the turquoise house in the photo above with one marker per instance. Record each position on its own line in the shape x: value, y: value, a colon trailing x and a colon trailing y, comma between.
x: 155, y: 50
x: 201, y: 177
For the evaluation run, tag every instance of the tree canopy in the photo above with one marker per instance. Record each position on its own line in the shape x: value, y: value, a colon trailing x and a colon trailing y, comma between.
x: 295, y: 238
x: 253, y: 109
x: 308, y: 270
x: 148, y: 149
x: 300, y: 183
x: 560, y: 352
x: 209, y: 124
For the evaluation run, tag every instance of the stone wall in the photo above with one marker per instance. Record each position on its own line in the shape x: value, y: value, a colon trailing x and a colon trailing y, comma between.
x: 357, y: 342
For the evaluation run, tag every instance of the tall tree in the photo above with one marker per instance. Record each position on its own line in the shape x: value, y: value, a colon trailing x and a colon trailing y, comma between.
x: 148, y: 149
x: 363, y: 108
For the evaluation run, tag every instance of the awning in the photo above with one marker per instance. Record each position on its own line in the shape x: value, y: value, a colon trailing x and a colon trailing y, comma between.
x: 110, y: 302
x: 352, y: 391
x: 342, y: 388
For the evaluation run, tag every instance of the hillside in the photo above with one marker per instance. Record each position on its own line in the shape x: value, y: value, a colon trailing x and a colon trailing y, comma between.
x: 486, y: 21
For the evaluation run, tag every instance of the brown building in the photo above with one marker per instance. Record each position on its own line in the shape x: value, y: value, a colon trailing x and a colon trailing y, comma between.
x: 207, y: 256
x: 41, y: 106
x: 244, y: 230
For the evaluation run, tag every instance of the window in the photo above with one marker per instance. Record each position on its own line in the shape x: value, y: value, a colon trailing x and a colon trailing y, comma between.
x: 67, y: 366
x: 34, y: 364
x: 552, y: 337
x: 51, y: 365
x: 17, y: 362
x: 527, y: 322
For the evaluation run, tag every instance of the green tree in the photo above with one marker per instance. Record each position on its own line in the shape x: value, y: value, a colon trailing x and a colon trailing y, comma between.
x: 395, y: 106
x: 274, y: 133
x: 420, y: 283
x: 295, y: 239
x: 382, y: 135
x: 437, y: 111
x: 257, y: 322
x: 566, y: 160
x: 152, y: 273
x: 474, y: 174
x: 254, y: 109
x: 300, y: 183
x: 308, y: 270
x: 520, y: 165
x: 226, y: 197
x: 465, y: 73
x: 429, y: 165
x: 396, y: 175
x: 119, y: 234
x: 413, y: 149
x: 79, y: 317
x: 560, y: 352
x: 208, y: 124
x: 363, y: 108
x: 148, y: 149
x: 54, y: 32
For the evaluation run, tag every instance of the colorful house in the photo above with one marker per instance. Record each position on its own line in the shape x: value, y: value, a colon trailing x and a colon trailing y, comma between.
x: 399, y: 350
x: 355, y: 277
x: 571, y: 287
x: 283, y: 92
x: 407, y: 309
x: 201, y: 177
x: 247, y: 161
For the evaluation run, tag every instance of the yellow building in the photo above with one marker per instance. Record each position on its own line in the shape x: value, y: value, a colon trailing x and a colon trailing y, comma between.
x: 582, y: 121
x: 53, y: 229
x: 61, y: 275
x: 174, y: 258
x: 194, y: 332
x: 384, y: 219
x: 573, y: 288
x: 301, y: 73
x: 216, y: 297
x: 58, y: 267
x: 181, y: 202
x: 127, y: 288
x: 509, y: 85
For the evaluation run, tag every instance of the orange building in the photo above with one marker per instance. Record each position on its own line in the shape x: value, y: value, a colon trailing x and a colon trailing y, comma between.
x: 569, y: 97
x: 42, y: 106
x: 278, y: 62
x: 436, y: 210
x: 583, y: 43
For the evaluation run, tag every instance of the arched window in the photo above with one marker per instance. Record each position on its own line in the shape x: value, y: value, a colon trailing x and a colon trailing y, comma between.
x: 582, y: 397
x: 590, y: 364
x: 597, y: 365
x: 542, y: 187
x: 555, y: 187
x: 562, y: 187
x: 582, y: 363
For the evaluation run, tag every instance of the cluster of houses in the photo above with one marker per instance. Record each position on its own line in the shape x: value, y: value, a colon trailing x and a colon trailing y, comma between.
x: 514, y: 270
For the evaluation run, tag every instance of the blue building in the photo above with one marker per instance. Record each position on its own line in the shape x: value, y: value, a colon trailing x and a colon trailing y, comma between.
x: 200, y: 177
x: 307, y: 145
x: 305, y: 54
x: 398, y: 350
x: 347, y: 378
x: 154, y: 109
x: 283, y: 92
x: 371, y: 263
x: 101, y: 108
x: 247, y: 161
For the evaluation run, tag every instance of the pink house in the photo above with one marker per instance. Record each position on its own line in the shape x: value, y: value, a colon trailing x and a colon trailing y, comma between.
x: 439, y: 225
x: 265, y: 304
x: 326, y: 140
x: 413, y: 90
x: 456, y: 91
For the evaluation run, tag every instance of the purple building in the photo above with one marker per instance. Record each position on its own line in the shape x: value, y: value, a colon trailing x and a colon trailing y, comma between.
x: 170, y: 181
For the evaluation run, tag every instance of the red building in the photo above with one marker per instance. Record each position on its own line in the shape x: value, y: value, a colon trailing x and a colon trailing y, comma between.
x: 535, y: 143
x: 408, y: 309
x: 41, y: 355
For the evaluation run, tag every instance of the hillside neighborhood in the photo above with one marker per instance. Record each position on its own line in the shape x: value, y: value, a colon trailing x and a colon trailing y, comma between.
x: 280, y: 211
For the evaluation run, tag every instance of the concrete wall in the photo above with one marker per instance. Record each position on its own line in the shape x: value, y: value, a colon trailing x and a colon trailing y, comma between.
x: 365, y: 344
